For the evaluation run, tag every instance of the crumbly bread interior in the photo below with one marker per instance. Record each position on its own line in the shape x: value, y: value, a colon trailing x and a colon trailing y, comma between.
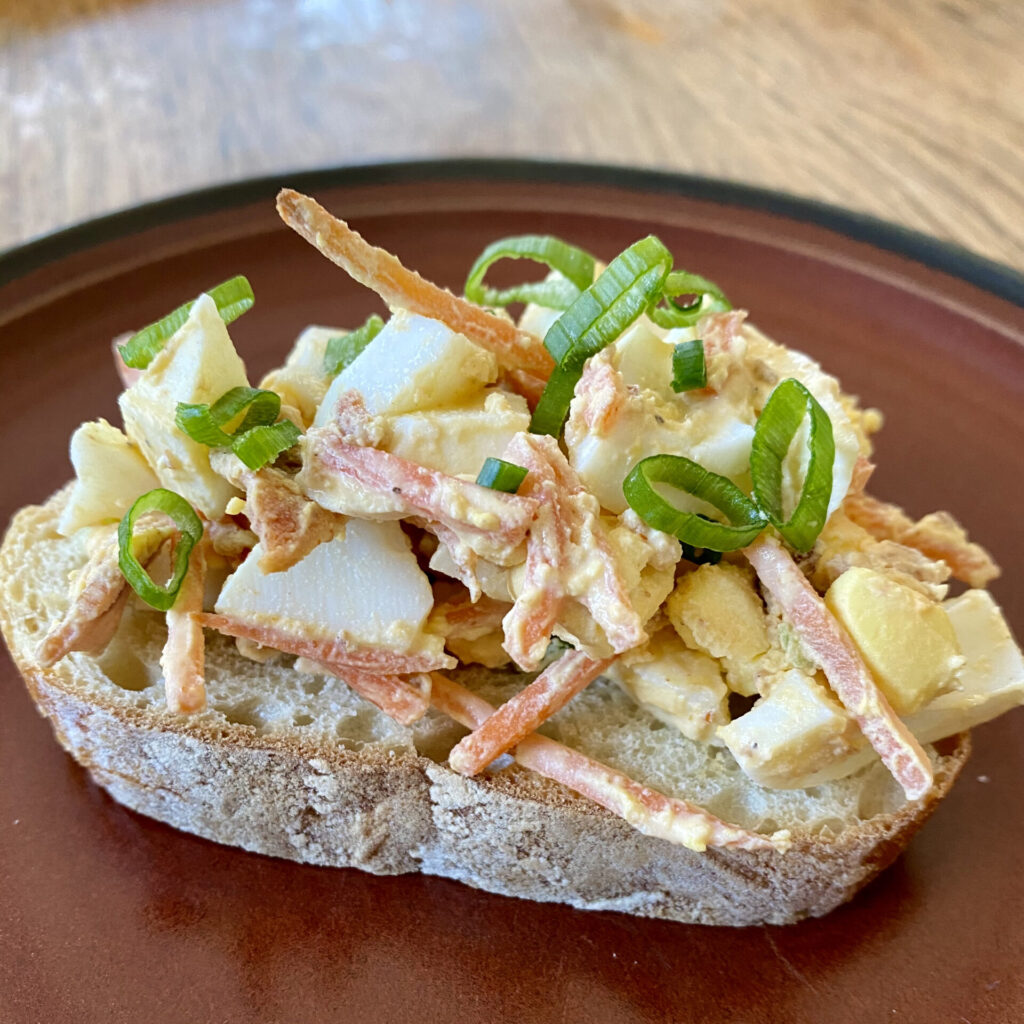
x: 314, y: 712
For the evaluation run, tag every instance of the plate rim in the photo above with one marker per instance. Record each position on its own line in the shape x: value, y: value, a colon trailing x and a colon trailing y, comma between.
x: 992, y: 276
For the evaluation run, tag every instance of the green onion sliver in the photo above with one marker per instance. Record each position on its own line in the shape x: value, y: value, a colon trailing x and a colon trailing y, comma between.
x: 190, y: 527
x: 708, y: 298
x: 342, y: 349
x: 204, y: 423
x: 233, y: 298
x: 597, y: 317
x: 688, y: 368
x: 260, y: 445
x: 575, y: 266
x: 746, y: 520
x: 500, y: 475
x: 776, y: 427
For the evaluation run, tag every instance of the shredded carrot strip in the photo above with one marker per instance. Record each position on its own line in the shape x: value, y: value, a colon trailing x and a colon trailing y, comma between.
x: 830, y: 645
x: 526, y: 711
x: 404, y: 700
x: 647, y: 810
x: 183, y: 657
x: 938, y: 535
x: 405, y: 289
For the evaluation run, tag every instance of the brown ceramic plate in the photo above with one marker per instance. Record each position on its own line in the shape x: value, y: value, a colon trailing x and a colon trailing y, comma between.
x: 108, y: 916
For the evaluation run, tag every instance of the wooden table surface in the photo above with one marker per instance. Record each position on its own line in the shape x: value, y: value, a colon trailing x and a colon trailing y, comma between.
x: 912, y: 111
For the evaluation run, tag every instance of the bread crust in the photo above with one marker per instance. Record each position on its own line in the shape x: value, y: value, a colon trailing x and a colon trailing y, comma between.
x: 390, y: 812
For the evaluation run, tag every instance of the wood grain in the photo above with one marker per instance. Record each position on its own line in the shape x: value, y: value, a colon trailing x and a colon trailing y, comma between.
x: 909, y: 111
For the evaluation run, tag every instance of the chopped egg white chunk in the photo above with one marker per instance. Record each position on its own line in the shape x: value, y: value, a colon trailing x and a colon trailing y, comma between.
x: 797, y: 730
x: 302, y: 382
x: 458, y: 441
x: 198, y: 364
x: 413, y: 364
x: 682, y: 687
x: 364, y: 586
x: 110, y: 473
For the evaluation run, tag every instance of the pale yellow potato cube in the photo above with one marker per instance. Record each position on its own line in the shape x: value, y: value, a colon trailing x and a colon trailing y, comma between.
x: 197, y: 365
x: 906, y: 640
x: 682, y: 687
x: 797, y: 730
x: 991, y: 680
x: 716, y: 609
x: 110, y: 473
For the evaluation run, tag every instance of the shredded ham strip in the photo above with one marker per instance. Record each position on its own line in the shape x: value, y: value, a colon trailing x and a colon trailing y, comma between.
x: 462, y: 618
x: 286, y: 522
x: 183, y: 656
x: 605, y: 596
x: 402, y: 288
x: 491, y: 522
x: 647, y: 810
x: 533, y: 616
x: 371, y: 671
x: 938, y: 536
x: 828, y: 643
x: 99, y: 598
x: 526, y: 711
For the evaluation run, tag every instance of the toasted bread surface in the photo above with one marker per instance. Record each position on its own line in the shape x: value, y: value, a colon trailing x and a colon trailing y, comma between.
x: 298, y: 766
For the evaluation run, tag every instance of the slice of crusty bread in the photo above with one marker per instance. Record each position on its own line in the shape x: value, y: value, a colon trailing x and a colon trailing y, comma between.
x: 298, y: 766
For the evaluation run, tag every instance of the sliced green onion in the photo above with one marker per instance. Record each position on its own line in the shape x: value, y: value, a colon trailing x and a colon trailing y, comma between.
x: 597, y: 317
x: 342, y: 349
x: 233, y: 298
x: 190, y: 527
x: 260, y: 445
x: 575, y: 266
x: 745, y: 519
x: 707, y: 298
x: 204, y: 423
x: 500, y: 475
x: 688, y: 368
x: 776, y: 427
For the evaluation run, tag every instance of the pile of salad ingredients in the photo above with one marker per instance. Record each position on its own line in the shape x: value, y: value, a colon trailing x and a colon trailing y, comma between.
x: 630, y: 482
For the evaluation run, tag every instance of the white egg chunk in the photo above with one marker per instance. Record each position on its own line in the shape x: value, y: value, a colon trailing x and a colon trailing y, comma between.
x: 198, y: 364
x: 458, y: 441
x: 991, y: 680
x: 707, y: 431
x: 538, y: 319
x: 797, y: 730
x: 771, y: 359
x: 907, y: 640
x: 681, y: 687
x: 302, y: 382
x: 413, y: 364
x: 644, y: 358
x: 110, y: 473
x: 364, y: 586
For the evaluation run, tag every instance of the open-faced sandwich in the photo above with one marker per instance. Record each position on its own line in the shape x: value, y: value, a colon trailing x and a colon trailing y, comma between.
x: 593, y: 607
